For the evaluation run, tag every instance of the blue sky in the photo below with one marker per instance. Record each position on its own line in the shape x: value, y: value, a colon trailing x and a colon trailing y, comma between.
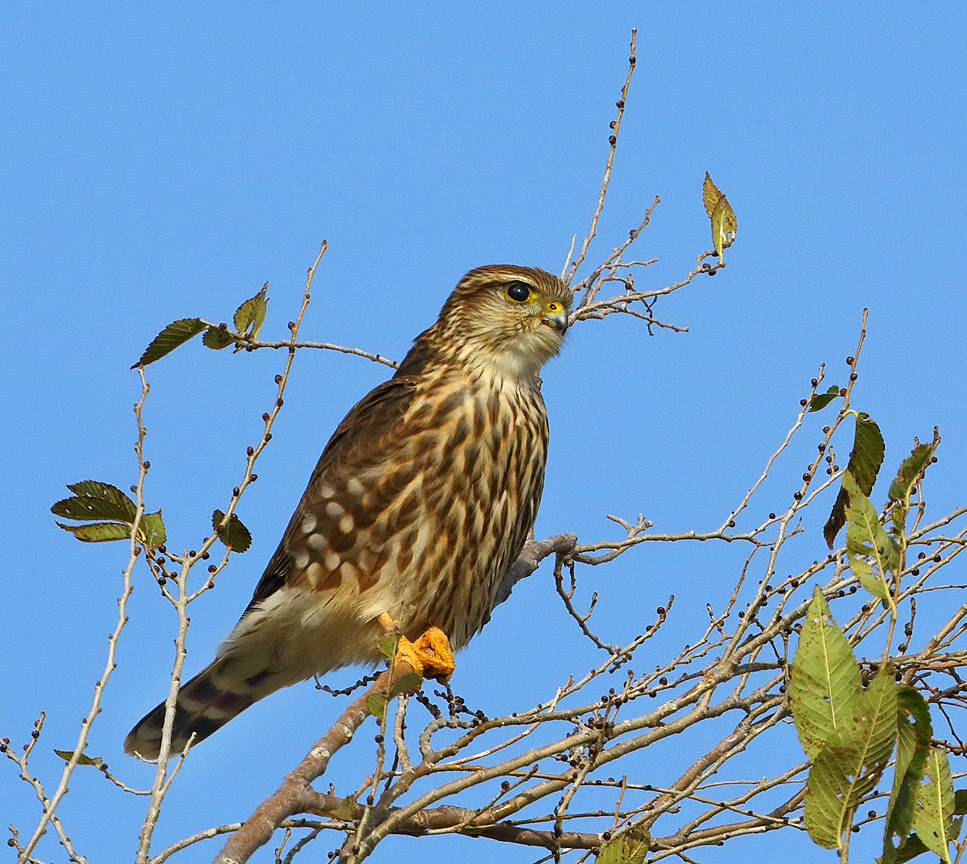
x: 164, y: 161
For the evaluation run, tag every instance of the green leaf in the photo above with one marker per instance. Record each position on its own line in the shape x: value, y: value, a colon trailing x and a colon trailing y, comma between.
x: 867, y: 455
x: 934, y: 811
x: 216, y: 338
x: 960, y: 802
x: 898, y: 819
x: 234, y: 535
x: 99, y: 532
x: 409, y: 683
x: 175, y: 334
x: 824, y: 684
x: 84, y: 759
x: 95, y: 500
x: 710, y: 195
x: 387, y: 646
x: 851, y: 762
x: 251, y: 313
x: 152, y: 530
x: 376, y: 703
x: 723, y: 226
x: 872, y: 553
x: 910, y: 471
x: 864, y: 464
x: 906, y: 852
x: 913, y: 705
x: 821, y: 400
x: 721, y: 214
x: 914, y: 731
x: 628, y: 847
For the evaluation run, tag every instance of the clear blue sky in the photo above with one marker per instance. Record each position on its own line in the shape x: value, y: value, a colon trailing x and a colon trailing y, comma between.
x: 163, y: 161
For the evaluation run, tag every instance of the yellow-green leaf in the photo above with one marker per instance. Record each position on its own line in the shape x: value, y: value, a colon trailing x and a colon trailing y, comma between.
x: 234, y: 534
x: 387, y: 646
x: 824, y: 683
x: 95, y: 500
x: 914, y: 732
x: 908, y: 475
x: 821, y: 400
x: 628, y: 847
x: 710, y: 195
x: 872, y: 553
x: 83, y: 759
x: 99, y: 532
x: 175, y: 334
x: 152, y: 530
x: 376, y: 703
x: 347, y: 809
x: 250, y: 315
x: 864, y: 463
x: 409, y: 683
x: 216, y: 338
x: 933, y: 815
x: 723, y: 226
x: 851, y: 762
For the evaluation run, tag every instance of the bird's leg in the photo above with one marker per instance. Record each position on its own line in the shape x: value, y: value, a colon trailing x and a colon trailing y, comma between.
x: 429, y: 656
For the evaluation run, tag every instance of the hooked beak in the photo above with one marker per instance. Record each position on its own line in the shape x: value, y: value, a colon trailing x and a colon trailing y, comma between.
x: 555, y: 316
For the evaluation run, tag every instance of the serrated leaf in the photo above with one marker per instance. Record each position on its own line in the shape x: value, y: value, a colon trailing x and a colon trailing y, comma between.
x: 871, y: 552
x: 909, y: 473
x: 234, y: 535
x: 99, y: 532
x: 376, y: 703
x: 912, y: 468
x: 710, y: 194
x: 83, y: 759
x: 934, y: 810
x: 866, y: 456
x: 875, y: 586
x: 851, y: 762
x: 250, y: 315
x: 911, y: 703
x: 723, y: 226
x: 876, y: 719
x: 216, y: 338
x: 955, y: 827
x: 409, y: 683
x: 387, y: 646
x: 152, y: 530
x: 898, y: 819
x: 628, y: 847
x: 824, y: 683
x: 865, y: 460
x: 960, y: 802
x: 95, y: 500
x: 821, y: 400
x: 914, y: 732
x: 175, y: 334
x: 907, y: 852
x: 837, y: 517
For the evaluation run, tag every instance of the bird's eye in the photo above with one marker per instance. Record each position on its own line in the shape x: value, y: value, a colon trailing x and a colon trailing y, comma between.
x: 518, y: 291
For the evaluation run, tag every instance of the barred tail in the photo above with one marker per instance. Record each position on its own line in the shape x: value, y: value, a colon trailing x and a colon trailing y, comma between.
x: 207, y: 702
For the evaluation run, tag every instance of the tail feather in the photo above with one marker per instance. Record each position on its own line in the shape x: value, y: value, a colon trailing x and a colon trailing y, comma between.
x: 205, y: 704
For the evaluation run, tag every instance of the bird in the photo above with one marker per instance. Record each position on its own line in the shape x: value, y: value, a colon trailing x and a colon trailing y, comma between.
x: 420, y: 502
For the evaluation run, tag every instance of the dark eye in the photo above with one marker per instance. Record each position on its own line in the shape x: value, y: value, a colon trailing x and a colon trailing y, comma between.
x: 518, y: 291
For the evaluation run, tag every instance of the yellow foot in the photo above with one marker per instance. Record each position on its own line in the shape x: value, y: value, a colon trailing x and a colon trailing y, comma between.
x: 429, y: 656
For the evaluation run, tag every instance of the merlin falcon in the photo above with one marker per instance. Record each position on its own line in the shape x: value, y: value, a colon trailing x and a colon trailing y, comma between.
x: 420, y: 503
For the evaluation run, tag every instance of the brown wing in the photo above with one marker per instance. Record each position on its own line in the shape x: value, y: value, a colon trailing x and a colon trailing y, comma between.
x: 361, y: 431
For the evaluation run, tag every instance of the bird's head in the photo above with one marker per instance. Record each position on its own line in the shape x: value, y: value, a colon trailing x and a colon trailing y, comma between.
x: 506, y: 318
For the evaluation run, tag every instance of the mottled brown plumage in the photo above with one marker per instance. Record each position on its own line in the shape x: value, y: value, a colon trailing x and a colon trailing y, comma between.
x: 420, y: 502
